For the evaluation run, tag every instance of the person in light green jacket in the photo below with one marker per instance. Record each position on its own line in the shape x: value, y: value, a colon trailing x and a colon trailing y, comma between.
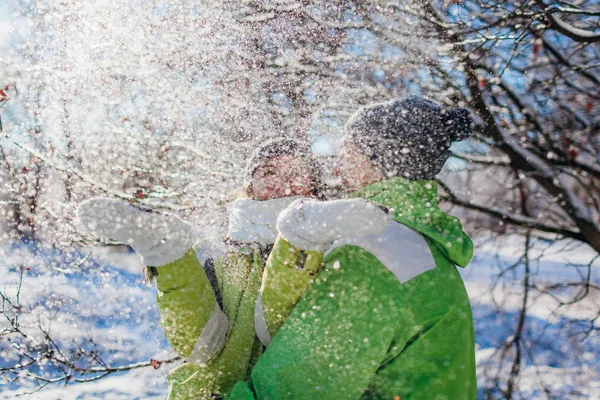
x: 388, y: 317
x: 207, y: 297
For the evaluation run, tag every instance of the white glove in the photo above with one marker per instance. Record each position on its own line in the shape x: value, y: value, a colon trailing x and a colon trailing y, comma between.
x: 159, y: 238
x: 314, y: 225
x: 252, y: 221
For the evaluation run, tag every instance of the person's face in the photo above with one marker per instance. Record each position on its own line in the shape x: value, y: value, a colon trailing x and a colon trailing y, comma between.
x: 281, y: 176
x: 355, y: 169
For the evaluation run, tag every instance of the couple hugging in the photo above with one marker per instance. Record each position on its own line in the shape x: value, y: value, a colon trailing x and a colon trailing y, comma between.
x: 357, y: 298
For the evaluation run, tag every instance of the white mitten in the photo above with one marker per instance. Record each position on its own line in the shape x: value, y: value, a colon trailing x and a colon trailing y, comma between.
x: 252, y: 221
x: 159, y: 238
x: 314, y: 225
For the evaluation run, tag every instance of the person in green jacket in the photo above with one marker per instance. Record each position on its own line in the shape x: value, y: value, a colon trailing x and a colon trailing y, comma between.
x: 388, y: 317
x: 207, y: 297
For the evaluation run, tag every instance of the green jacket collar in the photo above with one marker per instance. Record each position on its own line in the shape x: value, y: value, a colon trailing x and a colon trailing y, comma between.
x: 414, y: 204
x: 415, y: 190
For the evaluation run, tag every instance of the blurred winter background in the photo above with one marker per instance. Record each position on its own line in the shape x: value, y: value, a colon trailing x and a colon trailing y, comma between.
x: 160, y: 101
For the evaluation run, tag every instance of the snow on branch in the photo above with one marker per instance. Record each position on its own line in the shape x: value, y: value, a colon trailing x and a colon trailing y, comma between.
x: 574, y: 33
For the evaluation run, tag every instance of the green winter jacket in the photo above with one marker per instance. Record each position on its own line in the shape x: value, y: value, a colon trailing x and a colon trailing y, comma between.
x: 359, y: 333
x: 187, y: 302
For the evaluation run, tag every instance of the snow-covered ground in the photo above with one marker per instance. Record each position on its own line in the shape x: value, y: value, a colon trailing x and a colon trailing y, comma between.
x: 105, y: 299
x: 565, y: 353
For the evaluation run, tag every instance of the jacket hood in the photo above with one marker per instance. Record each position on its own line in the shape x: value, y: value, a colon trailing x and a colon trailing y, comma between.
x: 415, y: 204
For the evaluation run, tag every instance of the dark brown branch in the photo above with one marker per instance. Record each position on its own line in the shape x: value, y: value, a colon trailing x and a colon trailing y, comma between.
x: 509, y: 216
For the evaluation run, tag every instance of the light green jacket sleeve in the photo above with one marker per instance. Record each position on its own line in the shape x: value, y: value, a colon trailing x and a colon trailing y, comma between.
x: 186, y: 302
x: 289, y: 271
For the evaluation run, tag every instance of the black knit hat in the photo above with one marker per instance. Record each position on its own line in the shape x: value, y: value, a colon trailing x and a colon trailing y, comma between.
x: 274, y: 148
x: 408, y: 137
